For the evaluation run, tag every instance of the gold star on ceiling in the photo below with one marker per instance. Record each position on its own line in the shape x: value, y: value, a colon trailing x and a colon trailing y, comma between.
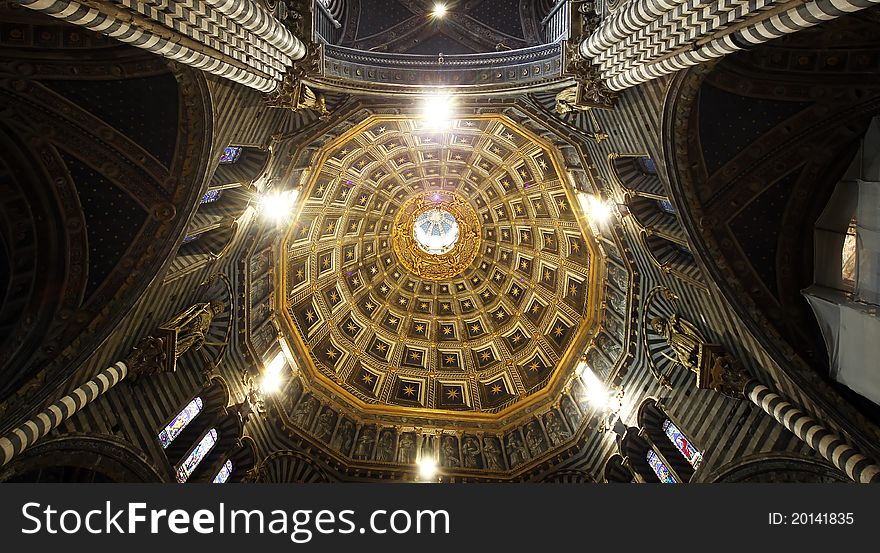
x: 409, y: 390
x: 496, y: 389
x: 452, y: 394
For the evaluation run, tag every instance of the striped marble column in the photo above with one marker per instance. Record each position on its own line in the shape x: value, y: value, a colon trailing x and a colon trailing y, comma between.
x: 651, y: 38
x: 828, y: 445
x: 235, y: 39
x: 32, y: 430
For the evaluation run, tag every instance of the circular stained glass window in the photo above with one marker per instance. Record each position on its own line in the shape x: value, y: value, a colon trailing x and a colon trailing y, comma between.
x: 436, y: 231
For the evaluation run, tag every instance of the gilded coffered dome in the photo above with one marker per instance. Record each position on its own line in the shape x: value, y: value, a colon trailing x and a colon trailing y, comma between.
x: 438, y: 273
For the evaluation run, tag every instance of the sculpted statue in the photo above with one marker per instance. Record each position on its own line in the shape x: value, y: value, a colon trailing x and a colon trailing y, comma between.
x: 342, y: 441
x: 535, y: 439
x: 566, y: 101
x: 492, y: 451
x: 309, y: 99
x: 470, y: 450
x: 555, y: 430
x: 406, y: 449
x: 385, y: 451
x: 449, y: 452
x: 516, y: 451
x: 302, y: 415
x: 326, y: 421
x: 193, y: 325
x: 571, y: 411
x: 683, y: 338
x: 365, y: 442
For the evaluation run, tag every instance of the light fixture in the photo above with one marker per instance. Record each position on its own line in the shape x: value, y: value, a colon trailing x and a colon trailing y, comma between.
x: 427, y: 469
x: 597, y: 210
x: 277, y: 207
x: 608, y: 404
x: 439, y: 10
x: 272, y: 375
x: 437, y: 110
x: 596, y: 393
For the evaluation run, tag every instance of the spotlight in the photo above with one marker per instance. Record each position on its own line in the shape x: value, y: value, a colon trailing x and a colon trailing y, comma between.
x: 427, y: 469
x: 597, y: 394
x: 597, y: 210
x: 277, y: 207
x: 270, y: 383
x: 276, y: 364
x: 437, y: 110
x: 439, y: 10
x: 273, y: 375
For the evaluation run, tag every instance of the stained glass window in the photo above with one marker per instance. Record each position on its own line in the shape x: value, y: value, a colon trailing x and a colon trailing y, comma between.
x: 178, y: 423
x: 224, y: 474
x: 659, y: 468
x: 211, y: 196
x: 666, y: 206
x: 190, y: 237
x: 681, y: 442
x: 647, y: 165
x: 230, y: 154
x: 185, y: 470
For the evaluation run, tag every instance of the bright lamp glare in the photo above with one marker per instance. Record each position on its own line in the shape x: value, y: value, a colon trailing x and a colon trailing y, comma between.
x: 427, y: 469
x: 270, y: 383
x: 437, y: 110
x: 439, y: 10
x: 597, y: 394
x: 278, y: 207
x: 594, y: 208
x: 276, y: 364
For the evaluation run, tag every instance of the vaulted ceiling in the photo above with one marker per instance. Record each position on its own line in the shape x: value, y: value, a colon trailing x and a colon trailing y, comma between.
x: 488, y: 325
x: 469, y: 26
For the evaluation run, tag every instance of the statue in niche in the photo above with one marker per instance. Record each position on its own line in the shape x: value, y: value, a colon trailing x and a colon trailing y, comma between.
x: 570, y: 410
x: 385, y: 450
x: 310, y: 99
x: 304, y: 412
x: 615, y: 299
x: 326, y: 422
x: 365, y: 441
x: 342, y: 441
x: 618, y: 276
x: 567, y: 101
x: 614, y: 326
x: 516, y: 451
x: 609, y: 346
x: 599, y: 364
x: 406, y: 449
x: 492, y: 451
x: 289, y: 399
x: 470, y: 450
x: 449, y: 452
x: 534, y: 438
x: 683, y: 338
x: 192, y: 326
x: 555, y: 429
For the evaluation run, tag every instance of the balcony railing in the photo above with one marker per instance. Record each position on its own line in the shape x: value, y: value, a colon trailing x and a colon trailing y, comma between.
x: 491, y: 71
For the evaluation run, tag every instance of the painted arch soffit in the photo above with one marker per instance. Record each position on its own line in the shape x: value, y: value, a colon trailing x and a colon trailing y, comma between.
x: 472, y: 335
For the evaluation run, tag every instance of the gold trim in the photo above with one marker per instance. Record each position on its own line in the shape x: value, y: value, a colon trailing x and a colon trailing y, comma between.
x: 587, y: 329
x: 443, y: 266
